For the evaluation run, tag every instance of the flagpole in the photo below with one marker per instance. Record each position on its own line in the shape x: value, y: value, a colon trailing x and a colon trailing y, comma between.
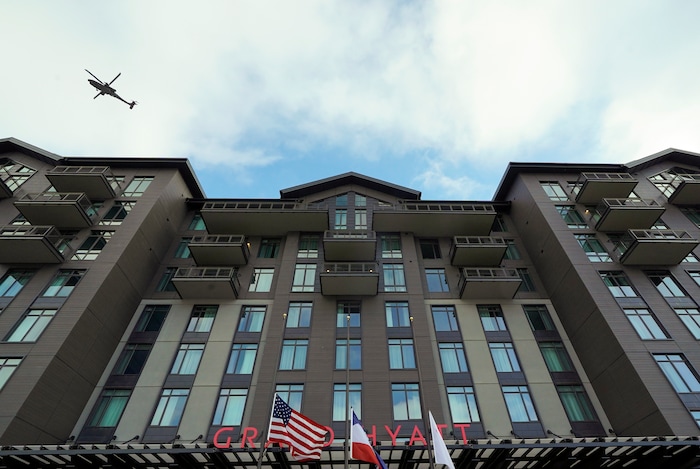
x: 423, y: 413
x: 347, y: 391
x: 263, y: 446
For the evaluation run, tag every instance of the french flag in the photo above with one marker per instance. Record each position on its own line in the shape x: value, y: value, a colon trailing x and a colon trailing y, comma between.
x: 360, y: 448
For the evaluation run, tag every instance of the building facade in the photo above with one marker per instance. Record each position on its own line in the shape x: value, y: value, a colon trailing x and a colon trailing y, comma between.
x: 136, y: 311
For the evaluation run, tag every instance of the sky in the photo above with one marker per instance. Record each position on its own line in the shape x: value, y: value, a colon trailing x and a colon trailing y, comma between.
x: 437, y: 96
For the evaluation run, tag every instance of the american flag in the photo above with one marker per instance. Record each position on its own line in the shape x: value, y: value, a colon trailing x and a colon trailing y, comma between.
x: 303, y: 436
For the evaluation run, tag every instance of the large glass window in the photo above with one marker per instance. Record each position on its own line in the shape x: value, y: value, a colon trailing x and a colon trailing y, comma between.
x: 391, y: 246
x: 462, y: 404
x: 109, y: 408
x: 519, y: 404
x: 452, y: 357
x: 197, y: 223
x: 242, y: 359
x: 437, y: 280
x: 183, y: 248
x: 291, y: 394
x: 679, y: 373
x: 693, y: 215
x: 554, y: 191
x: 593, y: 248
x: 92, y: 246
x: 645, y: 324
x: 340, y: 413
x: 694, y: 274
x: 202, y: 318
x: 299, y: 314
x: 8, y: 365
x: 187, y: 359
x: 117, y: 213
x: 576, y: 404
x: 294, y: 354
x: 261, y: 281
x: 539, y: 318
x: 491, y: 318
x: 308, y: 247
x: 137, y: 186
x: 394, y: 279
x: 666, y: 285
x: 345, y: 349
x: 360, y: 219
x: 555, y: 357
x: 444, y: 318
x: 527, y: 284
x: 152, y: 318
x: 691, y: 319
x: 13, y: 281
x: 304, y: 278
x: 572, y: 218
x: 14, y: 174
x: 401, y: 354
x: 252, y: 318
x: 618, y: 284
x: 430, y: 248
x: 31, y: 325
x: 63, y: 283
x: 347, y: 309
x: 504, y: 358
x: 406, y: 401
x: 512, y: 252
x: 269, y: 248
x: 165, y: 284
x: 170, y: 407
x: 132, y: 359
x: 341, y: 219
x: 230, y: 406
x: 397, y: 314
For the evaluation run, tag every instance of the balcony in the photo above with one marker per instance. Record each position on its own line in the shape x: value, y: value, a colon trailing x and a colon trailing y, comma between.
x: 97, y: 182
x: 350, y: 279
x: 488, y: 283
x: 435, y: 218
x: 263, y: 217
x: 654, y: 247
x: 349, y: 245
x: 225, y: 250
x: 71, y: 210
x: 591, y: 188
x: 686, y: 189
x: 477, y: 250
x: 623, y: 214
x: 216, y: 283
x: 31, y: 245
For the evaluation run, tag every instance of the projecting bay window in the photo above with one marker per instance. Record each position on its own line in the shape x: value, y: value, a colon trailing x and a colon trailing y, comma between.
x: 230, y: 406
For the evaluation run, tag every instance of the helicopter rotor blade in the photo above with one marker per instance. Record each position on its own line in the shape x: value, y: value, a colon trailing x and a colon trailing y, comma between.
x: 114, y: 78
x: 93, y: 76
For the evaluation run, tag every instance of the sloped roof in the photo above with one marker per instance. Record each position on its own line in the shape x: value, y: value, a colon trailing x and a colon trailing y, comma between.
x: 350, y: 178
x: 670, y: 154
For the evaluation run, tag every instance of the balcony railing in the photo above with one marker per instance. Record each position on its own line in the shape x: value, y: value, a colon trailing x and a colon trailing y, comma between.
x: 225, y: 250
x: 685, y: 189
x: 97, y: 182
x: 622, y: 214
x: 207, y: 282
x: 435, y: 218
x: 61, y: 209
x: 349, y: 278
x: 25, y: 244
x: 477, y: 250
x: 488, y: 283
x: 654, y: 247
x: 590, y: 188
x: 263, y: 217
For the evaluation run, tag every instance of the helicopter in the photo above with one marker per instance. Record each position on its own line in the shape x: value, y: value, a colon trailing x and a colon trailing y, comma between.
x: 106, y: 88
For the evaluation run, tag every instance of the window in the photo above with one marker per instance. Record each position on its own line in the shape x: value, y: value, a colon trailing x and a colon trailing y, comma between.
x: 492, y: 318
x: 696, y: 416
x: 202, y: 318
x: 197, y: 223
x: 63, y: 283
x: 13, y: 281
x: 354, y: 399
x: 308, y: 247
x: 391, y: 246
x: 165, y: 283
x: 430, y: 248
x: 261, y: 281
x: 394, y: 280
x: 691, y: 319
x: 299, y: 314
x: 645, y: 324
x: 229, y: 408
x: 242, y: 359
x: 444, y: 318
x: 576, y: 404
x: 31, y: 325
x: 152, y: 318
x: 304, y: 277
x: 269, y: 248
x: 397, y: 314
x: 401, y: 354
x: 519, y: 404
x: 690, y: 258
x: 345, y: 349
x: 554, y: 191
x: 183, y: 248
x: 360, y: 219
x: 109, y: 408
x: 504, y: 357
x: 92, y: 246
x: 555, y: 357
x: 452, y: 357
x: 618, y: 284
x: 666, y: 285
x: 294, y: 354
x: 341, y: 200
x: 437, y: 281
x: 678, y: 372
x: 117, y: 213
x: 406, y: 401
x: 7, y: 367
x: 526, y: 285
x: 291, y: 394
x: 695, y: 275
x: 170, y: 407
x: 499, y: 224
x: 132, y: 359
x: 593, y: 248
x: 693, y: 215
x: 463, y: 407
x: 345, y: 309
x: 341, y: 219
x: 14, y: 174
x: 252, y: 318
x: 187, y: 359
x: 360, y: 200
x: 572, y: 218
x: 538, y: 317
x: 512, y: 252
x: 137, y: 186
